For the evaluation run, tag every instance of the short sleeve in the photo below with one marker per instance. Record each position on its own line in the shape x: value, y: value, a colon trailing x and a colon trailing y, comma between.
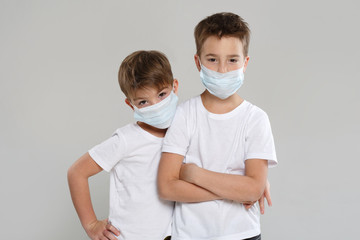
x: 108, y: 153
x: 259, y: 141
x: 177, y: 137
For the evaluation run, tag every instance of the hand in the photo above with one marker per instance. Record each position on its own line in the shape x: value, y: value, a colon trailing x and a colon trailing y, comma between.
x: 266, y: 195
x: 102, y: 230
x: 187, y: 172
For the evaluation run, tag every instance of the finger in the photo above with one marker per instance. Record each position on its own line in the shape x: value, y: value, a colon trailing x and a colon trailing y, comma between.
x: 261, y: 204
x: 103, y: 238
x: 247, y: 206
x: 112, y: 229
x: 109, y: 235
x: 268, y: 198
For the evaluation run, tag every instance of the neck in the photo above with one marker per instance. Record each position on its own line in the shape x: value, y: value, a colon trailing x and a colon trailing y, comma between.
x: 152, y: 130
x: 220, y: 106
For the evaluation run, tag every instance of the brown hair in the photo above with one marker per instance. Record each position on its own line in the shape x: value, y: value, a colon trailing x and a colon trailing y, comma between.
x: 222, y: 24
x: 143, y: 69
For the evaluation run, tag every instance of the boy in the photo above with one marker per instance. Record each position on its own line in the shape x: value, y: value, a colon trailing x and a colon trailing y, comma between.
x: 225, y: 142
x: 131, y: 156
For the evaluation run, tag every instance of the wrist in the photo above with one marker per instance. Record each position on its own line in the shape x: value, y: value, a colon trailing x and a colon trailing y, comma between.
x: 89, y: 224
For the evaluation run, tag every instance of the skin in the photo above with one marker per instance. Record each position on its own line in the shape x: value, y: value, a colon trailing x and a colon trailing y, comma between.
x: 78, y: 175
x: 190, y: 183
x: 85, y: 167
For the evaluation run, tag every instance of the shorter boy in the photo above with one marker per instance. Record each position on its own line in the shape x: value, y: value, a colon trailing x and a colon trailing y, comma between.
x: 131, y: 156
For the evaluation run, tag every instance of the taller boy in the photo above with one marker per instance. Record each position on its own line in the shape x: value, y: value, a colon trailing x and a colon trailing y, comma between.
x: 225, y: 142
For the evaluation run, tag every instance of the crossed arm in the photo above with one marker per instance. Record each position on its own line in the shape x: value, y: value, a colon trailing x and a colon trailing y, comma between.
x: 190, y: 183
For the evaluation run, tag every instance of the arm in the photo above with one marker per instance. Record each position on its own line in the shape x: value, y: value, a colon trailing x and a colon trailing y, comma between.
x: 247, y: 188
x: 78, y: 175
x: 261, y: 201
x: 170, y: 187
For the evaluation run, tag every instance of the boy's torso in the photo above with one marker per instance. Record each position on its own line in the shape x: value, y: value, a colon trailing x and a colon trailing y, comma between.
x: 135, y: 208
x: 217, y: 140
x: 216, y: 143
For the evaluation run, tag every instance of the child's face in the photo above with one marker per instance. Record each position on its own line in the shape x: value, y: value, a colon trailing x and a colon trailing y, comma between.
x: 149, y: 96
x: 222, y: 55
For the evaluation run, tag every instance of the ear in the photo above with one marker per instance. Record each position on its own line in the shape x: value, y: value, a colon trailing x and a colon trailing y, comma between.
x: 128, y: 103
x: 197, y: 61
x: 176, y: 86
x: 246, y: 63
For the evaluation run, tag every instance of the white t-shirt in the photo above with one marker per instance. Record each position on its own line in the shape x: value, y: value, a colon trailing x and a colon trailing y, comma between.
x: 220, y: 143
x: 132, y: 157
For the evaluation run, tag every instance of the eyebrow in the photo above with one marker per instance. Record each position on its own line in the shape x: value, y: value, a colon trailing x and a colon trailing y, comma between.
x: 215, y: 55
x: 210, y: 55
x: 135, y: 99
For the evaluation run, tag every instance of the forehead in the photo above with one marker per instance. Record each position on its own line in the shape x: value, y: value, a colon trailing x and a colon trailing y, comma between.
x: 222, y: 46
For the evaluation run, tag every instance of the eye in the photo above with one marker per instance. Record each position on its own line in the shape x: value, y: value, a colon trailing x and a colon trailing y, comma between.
x: 213, y: 60
x: 162, y: 94
x: 143, y: 102
x: 234, y: 60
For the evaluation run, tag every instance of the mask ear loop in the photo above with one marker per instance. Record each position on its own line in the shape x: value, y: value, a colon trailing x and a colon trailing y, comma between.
x: 203, y: 67
x: 200, y: 63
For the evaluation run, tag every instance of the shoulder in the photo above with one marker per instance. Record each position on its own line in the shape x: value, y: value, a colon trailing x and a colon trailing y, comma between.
x: 255, y: 112
x: 127, y: 130
x: 188, y: 107
x: 125, y: 135
x: 121, y: 134
x: 184, y: 119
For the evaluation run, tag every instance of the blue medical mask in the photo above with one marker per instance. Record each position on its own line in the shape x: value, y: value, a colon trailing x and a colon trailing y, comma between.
x: 222, y: 85
x: 160, y: 114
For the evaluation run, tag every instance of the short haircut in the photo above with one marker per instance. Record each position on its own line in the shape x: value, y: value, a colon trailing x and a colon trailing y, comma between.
x: 143, y: 69
x: 223, y: 24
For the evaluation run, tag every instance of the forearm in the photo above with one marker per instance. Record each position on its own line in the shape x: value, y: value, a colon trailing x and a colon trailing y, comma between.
x: 80, y: 194
x: 182, y: 191
x: 238, y: 188
x: 171, y: 188
x: 244, y: 189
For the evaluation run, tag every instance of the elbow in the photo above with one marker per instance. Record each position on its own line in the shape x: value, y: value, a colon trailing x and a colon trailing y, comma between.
x: 255, y: 194
x: 164, y: 191
x: 256, y: 189
x: 73, y: 173
x: 163, y: 194
x: 70, y: 173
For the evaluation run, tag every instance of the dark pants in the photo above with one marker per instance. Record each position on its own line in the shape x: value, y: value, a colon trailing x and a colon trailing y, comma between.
x: 258, y: 237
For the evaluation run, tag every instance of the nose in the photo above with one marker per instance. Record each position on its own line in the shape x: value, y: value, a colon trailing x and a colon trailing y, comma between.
x: 222, y: 68
x: 155, y: 101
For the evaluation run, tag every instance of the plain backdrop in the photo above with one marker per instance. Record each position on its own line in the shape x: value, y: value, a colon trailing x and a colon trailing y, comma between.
x: 59, y: 96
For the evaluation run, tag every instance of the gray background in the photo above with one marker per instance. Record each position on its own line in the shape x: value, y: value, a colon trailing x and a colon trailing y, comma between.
x: 59, y: 96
